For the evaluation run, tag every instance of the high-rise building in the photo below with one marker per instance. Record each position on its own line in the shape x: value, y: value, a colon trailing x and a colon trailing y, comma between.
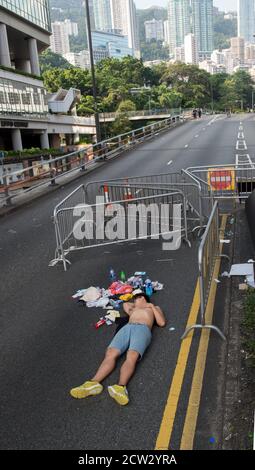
x: 202, y: 25
x: 154, y: 29
x: 190, y: 49
x: 179, y: 54
x: 124, y: 20
x: 59, y: 41
x: 246, y: 19
x: 179, y: 23
x: 237, y: 49
x: 72, y: 28
x: 166, y: 33
x: 102, y: 15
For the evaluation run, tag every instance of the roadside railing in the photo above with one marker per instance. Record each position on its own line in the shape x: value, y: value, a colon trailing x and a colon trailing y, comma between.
x: 51, y: 171
x: 208, y: 253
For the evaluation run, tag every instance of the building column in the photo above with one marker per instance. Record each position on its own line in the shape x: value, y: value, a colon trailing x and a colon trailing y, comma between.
x: 23, y: 65
x: 44, y: 138
x: 5, y: 58
x: 16, y: 140
x: 34, y: 58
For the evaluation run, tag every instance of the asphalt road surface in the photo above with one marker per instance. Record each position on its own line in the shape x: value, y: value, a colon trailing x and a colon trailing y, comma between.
x: 47, y: 341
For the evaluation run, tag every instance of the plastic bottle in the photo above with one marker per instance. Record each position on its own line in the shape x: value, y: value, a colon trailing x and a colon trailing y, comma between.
x: 148, y: 287
x: 100, y: 323
x: 122, y: 276
x: 112, y: 275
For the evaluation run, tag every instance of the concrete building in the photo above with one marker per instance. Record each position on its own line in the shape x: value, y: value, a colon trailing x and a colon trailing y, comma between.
x: 246, y: 19
x: 125, y: 21
x: 212, y: 68
x: 179, y: 54
x: 59, y: 41
x: 202, y: 25
x: 218, y: 57
x: 71, y: 27
x: 166, y: 33
x: 27, y: 117
x: 82, y: 59
x: 179, y: 23
x: 114, y: 45
x: 102, y: 15
x: 249, y: 52
x: 154, y: 29
x: 237, y: 49
x: 190, y: 49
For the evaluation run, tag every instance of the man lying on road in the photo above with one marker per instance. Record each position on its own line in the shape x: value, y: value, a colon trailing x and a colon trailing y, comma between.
x: 134, y: 338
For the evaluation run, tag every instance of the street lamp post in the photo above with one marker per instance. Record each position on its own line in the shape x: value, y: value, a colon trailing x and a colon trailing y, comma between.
x: 91, y: 56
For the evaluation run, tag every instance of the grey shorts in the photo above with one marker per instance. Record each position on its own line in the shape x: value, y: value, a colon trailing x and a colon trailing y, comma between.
x: 133, y: 336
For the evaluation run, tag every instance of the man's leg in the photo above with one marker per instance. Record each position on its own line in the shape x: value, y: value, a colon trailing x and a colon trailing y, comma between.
x: 107, y: 366
x: 128, y: 367
x: 119, y: 392
x: 93, y: 386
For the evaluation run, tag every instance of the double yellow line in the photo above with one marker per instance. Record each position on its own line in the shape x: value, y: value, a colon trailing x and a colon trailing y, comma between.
x: 167, y: 423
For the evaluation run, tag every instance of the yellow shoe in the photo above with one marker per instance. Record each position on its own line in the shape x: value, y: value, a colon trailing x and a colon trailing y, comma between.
x: 86, y: 390
x: 119, y: 394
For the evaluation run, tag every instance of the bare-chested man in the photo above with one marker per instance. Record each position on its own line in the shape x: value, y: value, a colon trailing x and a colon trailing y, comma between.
x: 134, y: 338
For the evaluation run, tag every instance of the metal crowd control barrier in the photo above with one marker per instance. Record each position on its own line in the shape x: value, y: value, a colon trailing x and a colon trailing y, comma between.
x: 225, y: 181
x: 128, y: 191
x: 209, y: 251
x: 50, y: 171
x: 191, y: 187
x: 72, y: 214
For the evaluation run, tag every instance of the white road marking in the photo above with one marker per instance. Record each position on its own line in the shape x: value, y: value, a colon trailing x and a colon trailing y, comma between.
x: 170, y: 162
x: 196, y: 136
x: 241, y: 128
x: 186, y: 146
x: 241, y: 145
x: 240, y: 135
x: 244, y: 158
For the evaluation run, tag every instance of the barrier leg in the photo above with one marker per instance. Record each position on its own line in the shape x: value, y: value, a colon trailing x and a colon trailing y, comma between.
x: 208, y: 327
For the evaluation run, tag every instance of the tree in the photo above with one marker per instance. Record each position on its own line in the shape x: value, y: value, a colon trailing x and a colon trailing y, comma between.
x: 190, y: 82
x: 49, y: 60
x: 126, y: 106
x: 121, y: 125
x: 54, y: 79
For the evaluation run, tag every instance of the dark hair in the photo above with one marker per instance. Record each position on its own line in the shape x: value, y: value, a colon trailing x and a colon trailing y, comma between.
x: 147, y: 298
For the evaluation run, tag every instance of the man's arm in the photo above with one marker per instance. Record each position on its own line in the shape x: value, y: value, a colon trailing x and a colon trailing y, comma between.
x: 159, y: 315
x: 128, y: 307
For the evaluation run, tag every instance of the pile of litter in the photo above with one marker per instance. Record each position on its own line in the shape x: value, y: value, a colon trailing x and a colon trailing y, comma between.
x: 119, y: 291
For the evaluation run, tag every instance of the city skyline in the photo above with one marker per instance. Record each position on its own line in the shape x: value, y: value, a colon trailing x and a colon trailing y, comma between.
x: 222, y: 4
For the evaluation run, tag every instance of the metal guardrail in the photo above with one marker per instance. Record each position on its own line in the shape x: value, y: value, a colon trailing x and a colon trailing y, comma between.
x: 142, y: 113
x: 67, y: 217
x: 225, y: 181
x: 208, y: 253
x: 127, y: 190
x: 78, y: 160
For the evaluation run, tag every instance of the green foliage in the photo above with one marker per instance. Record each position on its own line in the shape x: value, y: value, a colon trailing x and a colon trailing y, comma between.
x: 121, y: 125
x: 191, y: 84
x: 249, y: 324
x: 154, y: 50
x: 49, y: 60
x: 126, y: 106
x: 57, y: 78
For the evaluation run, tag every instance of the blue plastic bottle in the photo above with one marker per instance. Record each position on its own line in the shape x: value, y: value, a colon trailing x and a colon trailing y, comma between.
x: 112, y: 275
x: 148, y: 287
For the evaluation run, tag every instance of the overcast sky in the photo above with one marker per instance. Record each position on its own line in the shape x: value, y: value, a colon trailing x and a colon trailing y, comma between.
x: 222, y: 4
